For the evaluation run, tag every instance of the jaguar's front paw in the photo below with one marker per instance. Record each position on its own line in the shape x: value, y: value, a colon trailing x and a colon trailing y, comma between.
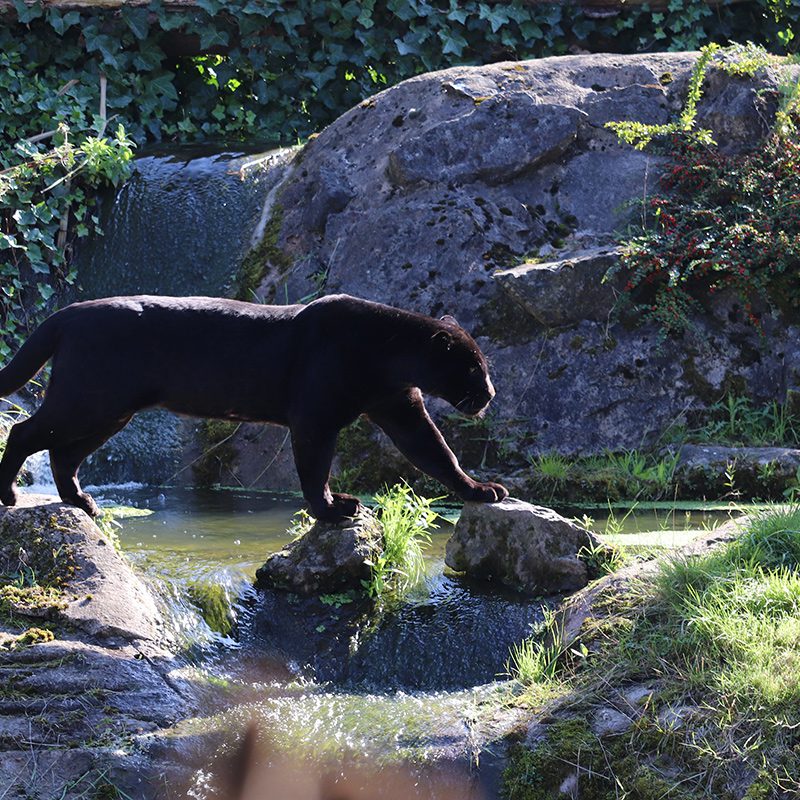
x: 487, y: 493
x: 87, y: 503
x: 343, y: 506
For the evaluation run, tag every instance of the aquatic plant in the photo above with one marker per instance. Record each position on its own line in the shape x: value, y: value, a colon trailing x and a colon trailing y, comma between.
x: 406, y: 519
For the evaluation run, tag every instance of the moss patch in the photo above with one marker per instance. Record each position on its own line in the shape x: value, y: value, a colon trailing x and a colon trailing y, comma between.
x: 31, y: 601
x: 28, y: 557
x: 260, y: 259
x: 214, y: 605
x: 28, y: 637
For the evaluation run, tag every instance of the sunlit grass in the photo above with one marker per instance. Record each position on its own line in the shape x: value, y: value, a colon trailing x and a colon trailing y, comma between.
x: 717, y: 633
x: 406, y: 519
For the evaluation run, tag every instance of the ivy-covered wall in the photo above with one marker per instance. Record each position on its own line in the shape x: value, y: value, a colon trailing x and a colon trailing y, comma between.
x: 285, y: 69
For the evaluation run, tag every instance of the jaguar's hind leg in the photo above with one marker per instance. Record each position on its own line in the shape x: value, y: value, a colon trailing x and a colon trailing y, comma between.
x: 24, y: 439
x: 66, y: 460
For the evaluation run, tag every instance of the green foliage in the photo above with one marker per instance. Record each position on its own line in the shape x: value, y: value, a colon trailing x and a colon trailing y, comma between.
x: 534, y: 661
x: 722, y: 224
x: 739, y: 422
x: 406, y: 519
x: 601, y: 559
x: 43, y: 202
x: 640, y: 134
x: 626, y: 474
x: 552, y: 466
x: 718, y: 223
x: 302, y: 523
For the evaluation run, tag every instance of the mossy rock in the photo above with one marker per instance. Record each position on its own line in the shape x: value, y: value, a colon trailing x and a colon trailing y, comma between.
x: 266, y: 254
x: 219, y: 450
x: 214, y: 605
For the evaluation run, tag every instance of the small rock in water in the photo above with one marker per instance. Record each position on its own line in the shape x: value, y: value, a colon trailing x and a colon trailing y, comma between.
x: 529, y: 548
x: 327, y: 557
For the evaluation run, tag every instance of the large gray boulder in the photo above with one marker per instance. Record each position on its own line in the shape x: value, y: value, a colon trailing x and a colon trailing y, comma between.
x: 529, y: 548
x: 326, y: 558
x: 469, y: 191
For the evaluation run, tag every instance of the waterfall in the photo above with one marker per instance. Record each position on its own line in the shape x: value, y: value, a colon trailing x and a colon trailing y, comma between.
x: 181, y: 225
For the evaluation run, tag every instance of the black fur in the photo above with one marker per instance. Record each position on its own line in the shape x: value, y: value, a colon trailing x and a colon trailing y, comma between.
x: 314, y: 368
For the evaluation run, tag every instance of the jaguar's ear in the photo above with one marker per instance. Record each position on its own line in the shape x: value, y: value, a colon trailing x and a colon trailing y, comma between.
x: 443, y: 339
x: 450, y: 320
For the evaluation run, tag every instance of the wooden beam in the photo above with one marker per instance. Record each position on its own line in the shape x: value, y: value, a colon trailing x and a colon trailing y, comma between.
x: 181, y: 5
x: 100, y: 5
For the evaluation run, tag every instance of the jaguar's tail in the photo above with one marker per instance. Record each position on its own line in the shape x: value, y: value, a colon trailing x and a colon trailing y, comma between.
x: 30, y: 358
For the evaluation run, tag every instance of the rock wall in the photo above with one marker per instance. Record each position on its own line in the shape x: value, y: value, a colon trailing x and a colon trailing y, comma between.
x: 495, y: 194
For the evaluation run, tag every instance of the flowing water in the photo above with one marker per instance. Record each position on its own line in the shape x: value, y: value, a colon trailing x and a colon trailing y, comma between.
x: 424, y: 682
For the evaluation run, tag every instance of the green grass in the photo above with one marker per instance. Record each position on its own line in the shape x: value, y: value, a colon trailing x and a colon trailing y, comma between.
x: 737, y: 421
x: 406, y: 519
x: 552, y: 466
x: 718, y: 634
x: 611, y: 475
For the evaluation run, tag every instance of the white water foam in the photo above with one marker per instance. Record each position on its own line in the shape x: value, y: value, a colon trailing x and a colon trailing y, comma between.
x: 38, y: 465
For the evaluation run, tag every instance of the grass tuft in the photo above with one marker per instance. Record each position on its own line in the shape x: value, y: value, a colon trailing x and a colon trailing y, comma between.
x: 406, y: 519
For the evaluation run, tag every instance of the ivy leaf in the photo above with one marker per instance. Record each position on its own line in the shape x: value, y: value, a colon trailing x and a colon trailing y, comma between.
x: 10, y: 243
x: 60, y: 22
x: 163, y: 85
x: 136, y: 19
x: 494, y: 15
x: 452, y: 43
x: 458, y: 15
x: 406, y: 48
x: 27, y: 13
x: 170, y: 21
x: 148, y: 58
x: 108, y: 46
x: 319, y: 79
x: 46, y: 291
x: 211, y: 38
x: 530, y: 31
x: 24, y: 217
x: 291, y: 20
x: 211, y: 6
